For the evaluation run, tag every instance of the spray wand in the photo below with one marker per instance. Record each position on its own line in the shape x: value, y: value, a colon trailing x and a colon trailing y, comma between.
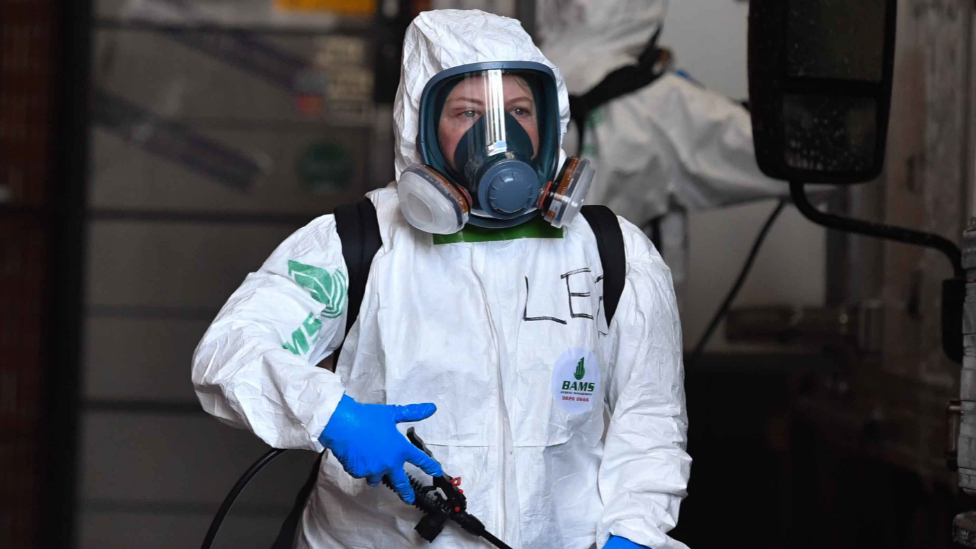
x: 443, y: 501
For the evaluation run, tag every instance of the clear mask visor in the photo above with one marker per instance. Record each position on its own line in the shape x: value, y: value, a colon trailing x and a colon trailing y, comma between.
x: 485, y: 115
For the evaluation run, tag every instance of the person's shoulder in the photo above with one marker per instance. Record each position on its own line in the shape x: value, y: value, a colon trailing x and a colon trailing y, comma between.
x: 314, y: 245
x: 635, y: 242
x: 644, y: 263
x: 637, y: 245
x: 394, y: 228
x: 387, y: 204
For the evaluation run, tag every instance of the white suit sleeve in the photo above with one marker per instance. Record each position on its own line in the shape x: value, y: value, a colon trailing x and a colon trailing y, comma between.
x: 711, y: 138
x: 256, y: 365
x: 645, y: 468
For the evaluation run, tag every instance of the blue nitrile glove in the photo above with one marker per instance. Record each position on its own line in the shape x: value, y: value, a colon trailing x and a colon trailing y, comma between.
x: 365, y: 440
x: 617, y: 542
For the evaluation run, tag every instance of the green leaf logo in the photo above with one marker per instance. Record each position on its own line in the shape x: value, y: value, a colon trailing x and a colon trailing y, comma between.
x: 328, y: 289
x: 580, y: 371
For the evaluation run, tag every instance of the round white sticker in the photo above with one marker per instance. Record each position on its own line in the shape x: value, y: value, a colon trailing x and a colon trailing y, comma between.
x: 576, y: 380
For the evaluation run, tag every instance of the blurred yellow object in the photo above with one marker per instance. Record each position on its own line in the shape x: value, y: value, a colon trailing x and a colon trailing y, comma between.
x: 343, y: 7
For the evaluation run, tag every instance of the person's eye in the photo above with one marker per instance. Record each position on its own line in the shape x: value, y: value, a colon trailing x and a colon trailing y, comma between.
x: 519, y: 111
x: 469, y: 114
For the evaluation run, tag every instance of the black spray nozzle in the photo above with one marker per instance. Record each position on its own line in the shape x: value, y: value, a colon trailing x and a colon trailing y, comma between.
x: 442, y: 502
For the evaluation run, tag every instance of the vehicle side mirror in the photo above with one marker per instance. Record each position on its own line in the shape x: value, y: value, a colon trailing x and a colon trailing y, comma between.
x: 820, y: 74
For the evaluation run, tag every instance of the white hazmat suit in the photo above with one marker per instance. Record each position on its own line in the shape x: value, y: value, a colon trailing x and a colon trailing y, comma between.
x: 508, y: 338
x: 665, y: 150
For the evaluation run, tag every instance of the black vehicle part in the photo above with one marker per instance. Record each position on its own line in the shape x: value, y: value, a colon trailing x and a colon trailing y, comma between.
x: 952, y: 288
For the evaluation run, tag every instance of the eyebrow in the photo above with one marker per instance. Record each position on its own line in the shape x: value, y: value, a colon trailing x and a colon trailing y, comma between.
x: 466, y: 99
x: 477, y: 101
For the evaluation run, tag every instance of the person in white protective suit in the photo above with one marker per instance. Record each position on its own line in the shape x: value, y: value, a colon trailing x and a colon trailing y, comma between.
x: 661, y: 152
x: 484, y: 300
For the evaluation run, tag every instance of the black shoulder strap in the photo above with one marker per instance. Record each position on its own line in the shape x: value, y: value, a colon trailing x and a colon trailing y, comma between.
x: 610, y: 242
x: 625, y: 80
x: 630, y: 78
x: 359, y: 232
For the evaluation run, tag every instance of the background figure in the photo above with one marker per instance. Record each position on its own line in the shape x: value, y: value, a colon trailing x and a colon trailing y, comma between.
x: 668, y: 149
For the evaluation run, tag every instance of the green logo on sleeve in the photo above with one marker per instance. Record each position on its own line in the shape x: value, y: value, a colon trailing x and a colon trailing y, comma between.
x: 328, y: 289
x: 580, y: 371
x: 302, y: 338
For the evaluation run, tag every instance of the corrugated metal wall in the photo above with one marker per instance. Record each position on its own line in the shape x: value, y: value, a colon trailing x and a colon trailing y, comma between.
x: 214, y: 135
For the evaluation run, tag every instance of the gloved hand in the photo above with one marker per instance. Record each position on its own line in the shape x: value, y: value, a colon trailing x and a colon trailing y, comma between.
x: 617, y: 542
x: 365, y: 440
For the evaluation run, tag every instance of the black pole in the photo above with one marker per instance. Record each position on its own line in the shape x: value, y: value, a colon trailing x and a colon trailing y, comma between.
x: 64, y: 315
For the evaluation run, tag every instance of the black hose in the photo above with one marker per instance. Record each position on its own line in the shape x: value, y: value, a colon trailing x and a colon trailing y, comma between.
x: 724, y: 308
x: 236, y: 491
x: 495, y: 541
x: 267, y: 458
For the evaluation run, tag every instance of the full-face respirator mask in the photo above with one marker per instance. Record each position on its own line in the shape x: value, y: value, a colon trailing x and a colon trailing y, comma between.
x: 489, y: 143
